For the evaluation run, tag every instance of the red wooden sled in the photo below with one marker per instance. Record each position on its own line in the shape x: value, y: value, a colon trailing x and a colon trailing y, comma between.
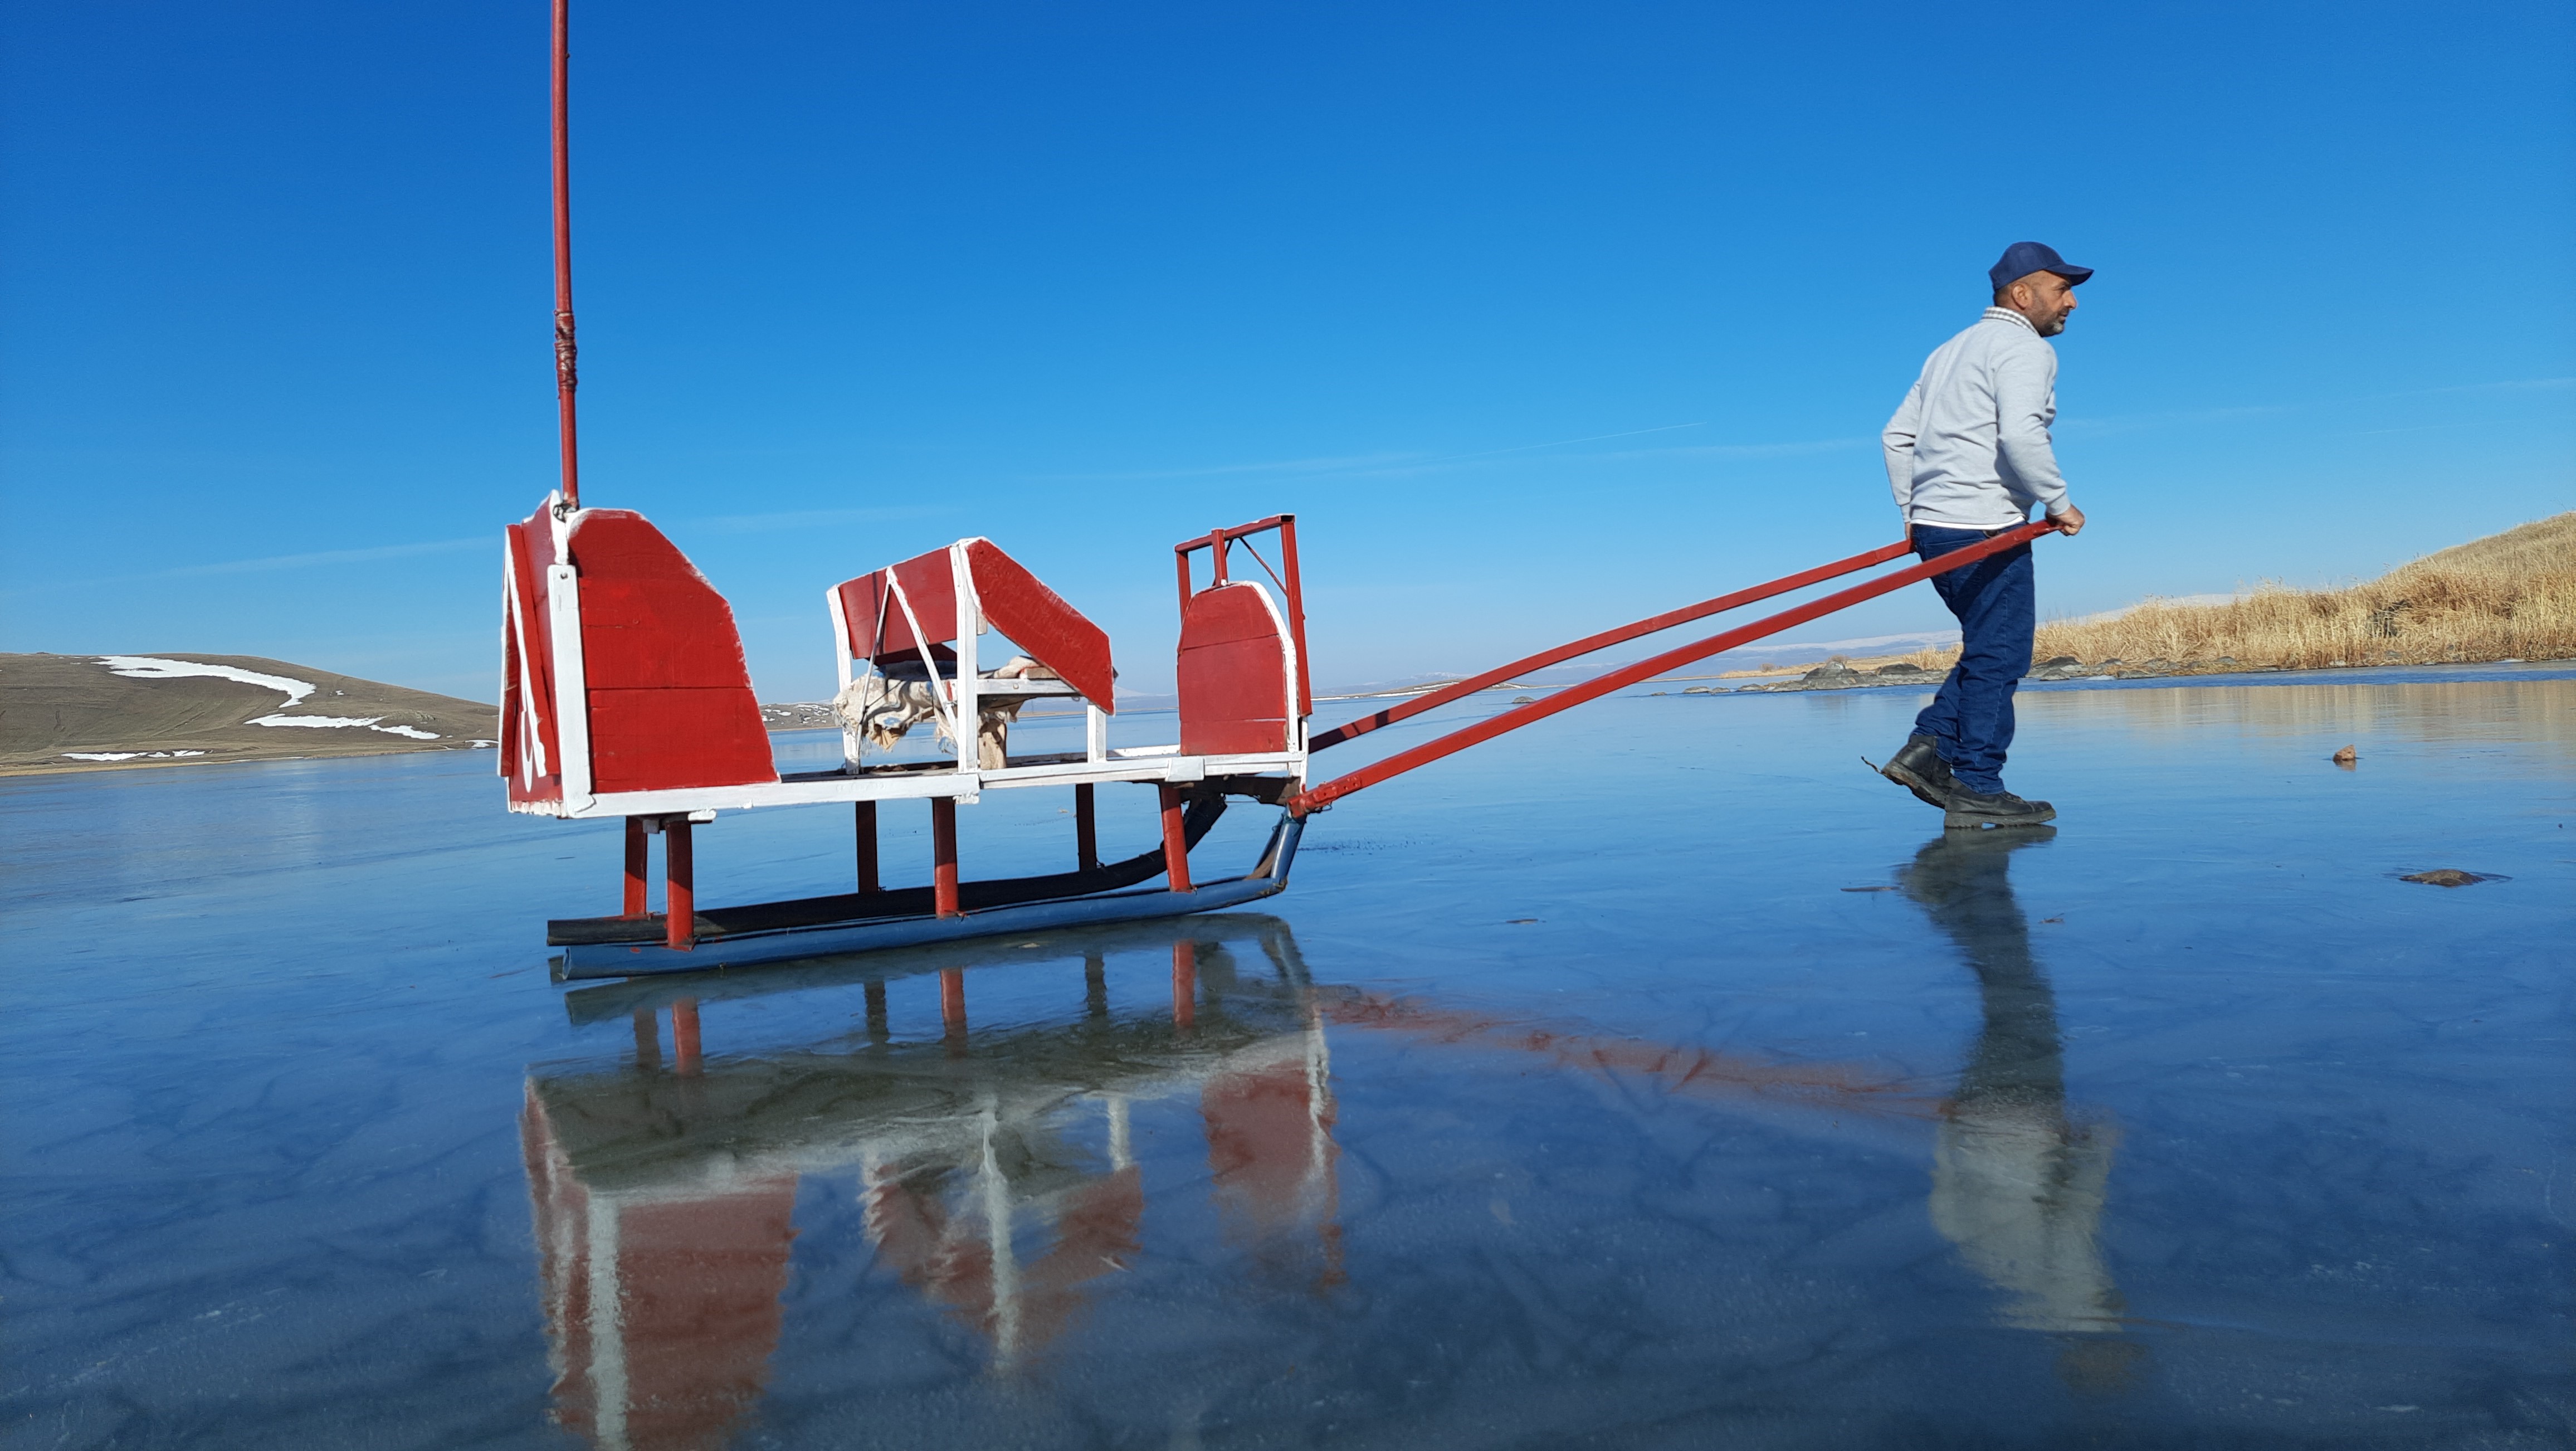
x: 625, y: 694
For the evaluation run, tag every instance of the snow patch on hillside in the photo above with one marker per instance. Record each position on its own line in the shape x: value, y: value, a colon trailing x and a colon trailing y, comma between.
x: 344, y: 722
x: 150, y: 667
x: 147, y: 667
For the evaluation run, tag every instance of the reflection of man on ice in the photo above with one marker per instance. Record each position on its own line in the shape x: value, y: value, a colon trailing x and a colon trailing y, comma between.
x: 2016, y: 1185
x: 1968, y: 455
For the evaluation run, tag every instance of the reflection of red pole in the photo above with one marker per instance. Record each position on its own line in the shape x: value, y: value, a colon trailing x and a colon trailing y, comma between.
x: 684, y: 1036
x: 865, y: 835
x: 943, y: 854
x: 1086, y: 828
x: 637, y: 844
x: 1176, y: 844
x: 648, y: 1038
x: 1185, y: 984
x: 679, y: 895
x: 952, y: 1001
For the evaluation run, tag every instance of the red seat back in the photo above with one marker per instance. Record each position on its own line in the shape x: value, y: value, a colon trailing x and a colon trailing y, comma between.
x: 1237, y: 673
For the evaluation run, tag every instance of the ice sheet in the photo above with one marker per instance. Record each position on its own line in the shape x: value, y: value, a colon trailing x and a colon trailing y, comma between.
x: 1654, y: 1077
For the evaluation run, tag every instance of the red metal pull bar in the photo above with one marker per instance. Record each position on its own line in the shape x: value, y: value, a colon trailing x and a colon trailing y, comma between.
x: 1459, y: 690
x: 1311, y: 800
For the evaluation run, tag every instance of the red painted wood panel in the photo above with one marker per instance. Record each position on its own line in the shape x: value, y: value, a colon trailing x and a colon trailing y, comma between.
x: 1233, y: 673
x: 929, y: 585
x: 671, y: 703
x: 528, y: 548
x: 1037, y: 619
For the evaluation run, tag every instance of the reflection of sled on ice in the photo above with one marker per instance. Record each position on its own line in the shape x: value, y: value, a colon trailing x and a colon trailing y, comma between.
x: 625, y: 694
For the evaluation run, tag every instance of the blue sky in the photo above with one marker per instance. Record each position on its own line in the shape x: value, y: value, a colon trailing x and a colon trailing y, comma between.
x: 1540, y: 317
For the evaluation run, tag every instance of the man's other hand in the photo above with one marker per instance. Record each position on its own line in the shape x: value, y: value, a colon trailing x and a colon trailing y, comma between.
x: 2069, y: 521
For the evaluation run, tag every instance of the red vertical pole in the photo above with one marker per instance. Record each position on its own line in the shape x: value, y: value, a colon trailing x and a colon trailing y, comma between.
x: 1181, y: 557
x: 943, y: 854
x: 1086, y: 828
x: 637, y: 846
x: 1176, y: 843
x: 679, y: 893
x: 684, y: 1037
x: 952, y: 1001
x: 1296, y: 611
x: 865, y: 835
x: 566, y: 379
x: 1185, y: 984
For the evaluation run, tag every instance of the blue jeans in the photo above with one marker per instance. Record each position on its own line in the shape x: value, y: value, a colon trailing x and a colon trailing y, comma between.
x: 1971, y: 720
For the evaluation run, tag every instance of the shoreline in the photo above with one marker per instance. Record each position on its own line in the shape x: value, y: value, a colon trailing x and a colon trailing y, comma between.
x: 2461, y: 671
x: 2437, y: 673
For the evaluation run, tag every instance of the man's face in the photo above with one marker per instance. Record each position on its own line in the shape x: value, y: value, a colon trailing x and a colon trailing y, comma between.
x: 2046, y: 299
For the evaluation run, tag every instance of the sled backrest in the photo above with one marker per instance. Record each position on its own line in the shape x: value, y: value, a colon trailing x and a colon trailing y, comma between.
x: 959, y: 590
x: 1242, y: 667
x: 1237, y: 673
x: 625, y: 670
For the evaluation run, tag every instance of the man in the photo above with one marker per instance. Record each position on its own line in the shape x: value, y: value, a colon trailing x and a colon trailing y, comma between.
x: 1968, y: 455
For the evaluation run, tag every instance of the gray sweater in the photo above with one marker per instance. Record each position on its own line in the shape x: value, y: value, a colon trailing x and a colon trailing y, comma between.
x: 1968, y: 449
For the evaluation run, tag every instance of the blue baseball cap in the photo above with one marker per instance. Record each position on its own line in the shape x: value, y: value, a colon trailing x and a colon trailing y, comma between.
x: 2024, y: 258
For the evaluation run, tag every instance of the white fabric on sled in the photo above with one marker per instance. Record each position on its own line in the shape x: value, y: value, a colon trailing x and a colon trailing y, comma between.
x: 883, y: 711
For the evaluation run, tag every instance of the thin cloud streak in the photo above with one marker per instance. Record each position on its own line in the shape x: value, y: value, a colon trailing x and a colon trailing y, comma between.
x: 1366, y: 465
x: 263, y: 565
x: 1748, y: 450
x: 1280, y: 466
x: 2128, y: 422
x: 810, y: 518
x: 321, y: 557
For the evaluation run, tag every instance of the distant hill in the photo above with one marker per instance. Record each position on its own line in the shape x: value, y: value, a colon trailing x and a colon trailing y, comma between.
x: 102, y: 712
x: 2508, y: 596
x: 2543, y: 546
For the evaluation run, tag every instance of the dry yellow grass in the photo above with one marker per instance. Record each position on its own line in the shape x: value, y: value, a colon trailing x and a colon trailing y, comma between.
x: 2507, y: 596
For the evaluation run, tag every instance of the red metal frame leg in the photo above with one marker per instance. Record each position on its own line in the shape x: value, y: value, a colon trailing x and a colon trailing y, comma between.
x: 1176, y: 843
x: 679, y: 894
x: 865, y: 839
x: 1185, y: 984
x: 1086, y: 828
x: 684, y: 1036
x: 943, y: 854
x: 952, y: 1001
x: 638, y: 846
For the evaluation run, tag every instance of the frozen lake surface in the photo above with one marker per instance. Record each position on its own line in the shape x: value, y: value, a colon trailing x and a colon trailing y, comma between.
x: 1654, y: 1077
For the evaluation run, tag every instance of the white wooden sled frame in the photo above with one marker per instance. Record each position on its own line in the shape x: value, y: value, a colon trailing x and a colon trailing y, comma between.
x: 961, y: 689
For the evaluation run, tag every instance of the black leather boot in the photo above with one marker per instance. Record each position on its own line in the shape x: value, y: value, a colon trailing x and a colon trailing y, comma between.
x: 1968, y: 810
x: 1919, y: 769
